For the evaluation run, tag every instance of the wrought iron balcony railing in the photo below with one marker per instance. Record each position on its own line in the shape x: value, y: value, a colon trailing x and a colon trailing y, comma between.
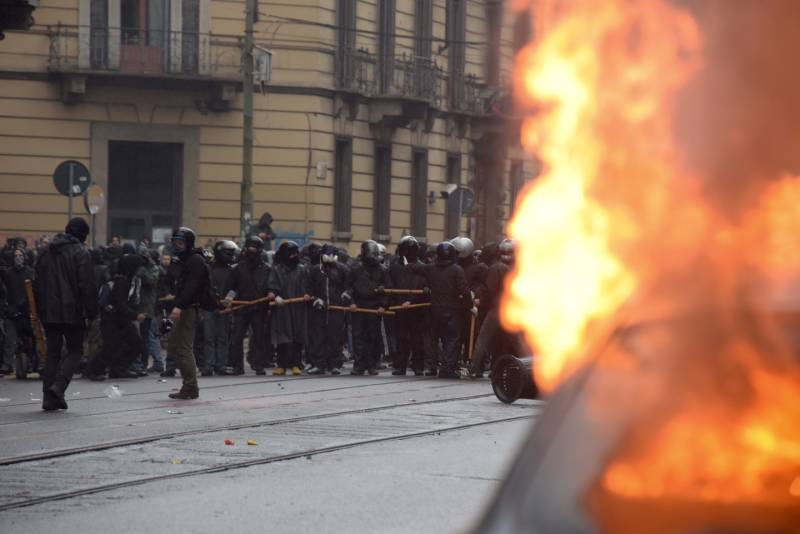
x: 404, y: 75
x: 155, y: 53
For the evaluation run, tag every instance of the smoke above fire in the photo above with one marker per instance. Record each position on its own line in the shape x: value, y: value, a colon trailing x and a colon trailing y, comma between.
x: 659, y: 243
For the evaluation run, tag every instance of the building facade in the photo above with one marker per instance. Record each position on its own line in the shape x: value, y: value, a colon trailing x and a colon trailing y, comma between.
x: 366, y: 114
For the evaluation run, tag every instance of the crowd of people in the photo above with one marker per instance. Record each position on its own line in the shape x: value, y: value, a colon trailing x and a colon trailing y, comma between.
x: 110, y: 311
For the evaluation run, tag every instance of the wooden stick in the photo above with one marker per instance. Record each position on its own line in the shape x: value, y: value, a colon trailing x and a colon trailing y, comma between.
x: 359, y: 310
x: 36, y: 324
x: 248, y: 303
x: 410, y: 306
x: 471, y: 348
x: 168, y: 298
x: 404, y: 291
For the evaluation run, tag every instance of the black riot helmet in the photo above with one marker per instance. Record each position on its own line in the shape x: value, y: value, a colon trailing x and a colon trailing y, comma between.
x: 506, y: 250
x: 408, y: 248
x: 225, y: 252
x: 370, y: 252
x: 255, y: 242
x: 183, y: 241
x: 446, y: 253
x: 288, y: 253
x: 314, y: 253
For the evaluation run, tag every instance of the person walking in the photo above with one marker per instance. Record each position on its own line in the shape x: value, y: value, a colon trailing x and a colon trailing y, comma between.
x: 67, y: 298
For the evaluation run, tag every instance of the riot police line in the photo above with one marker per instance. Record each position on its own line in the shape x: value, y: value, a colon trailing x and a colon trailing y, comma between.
x: 425, y: 311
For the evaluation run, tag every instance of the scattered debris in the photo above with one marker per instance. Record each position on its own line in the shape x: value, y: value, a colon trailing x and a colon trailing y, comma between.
x: 177, y: 461
x: 252, y: 442
x: 174, y: 412
x: 162, y: 380
x: 229, y: 442
x: 4, y: 399
x: 412, y: 400
x: 76, y: 393
x: 113, y: 392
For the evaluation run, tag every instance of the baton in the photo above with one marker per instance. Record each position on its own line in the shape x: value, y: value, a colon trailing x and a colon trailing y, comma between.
x: 410, y: 306
x: 359, y: 310
x: 404, y: 291
x: 471, y: 337
x: 248, y: 303
x: 36, y: 324
x: 168, y: 298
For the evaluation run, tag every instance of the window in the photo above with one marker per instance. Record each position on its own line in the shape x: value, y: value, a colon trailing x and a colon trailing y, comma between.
x: 144, y: 35
x: 452, y: 215
x: 343, y: 189
x: 190, y: 41
x: 423, y: 28
x: 419, y: 193
x: 386, y: 44
x: 516, y: 181
x: 346, y: 39
x: 98, y: 34
x: 494, y: 21
x: 456, y: 37
x: 522, y: 30
x: 382, y: 193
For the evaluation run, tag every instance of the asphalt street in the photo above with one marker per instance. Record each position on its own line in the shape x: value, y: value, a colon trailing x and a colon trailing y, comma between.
x: 255, y: 454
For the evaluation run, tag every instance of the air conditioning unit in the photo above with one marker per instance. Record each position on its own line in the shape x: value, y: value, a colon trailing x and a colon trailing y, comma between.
x: 262, y: 65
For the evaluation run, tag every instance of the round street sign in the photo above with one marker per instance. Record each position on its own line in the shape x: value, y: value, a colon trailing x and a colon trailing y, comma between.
x: 80, y: 178
x: 94, y: 199
x: 463, y: 198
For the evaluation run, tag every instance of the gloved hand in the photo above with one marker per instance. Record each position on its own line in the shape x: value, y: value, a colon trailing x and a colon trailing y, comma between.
x: 228, y: 300
x: 426, y: 291
x: 379, y: 289
x: 474, y: 311
x: 279, y: 301
x: 347, y: 297
x: 407, y: 303
x: 319, y: 304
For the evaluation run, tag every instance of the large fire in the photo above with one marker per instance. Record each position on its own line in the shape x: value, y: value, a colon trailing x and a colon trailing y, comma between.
x: 660, y: 240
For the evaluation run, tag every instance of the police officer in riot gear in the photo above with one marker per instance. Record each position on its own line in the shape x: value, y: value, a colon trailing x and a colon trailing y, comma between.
x: 327, y: 282
x: 217, y: 327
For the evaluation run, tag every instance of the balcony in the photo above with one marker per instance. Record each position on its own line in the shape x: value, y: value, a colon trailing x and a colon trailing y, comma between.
x: 160, y: 58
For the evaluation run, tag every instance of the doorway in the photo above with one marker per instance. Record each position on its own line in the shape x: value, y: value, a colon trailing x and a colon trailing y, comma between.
x: 145, y: 36
x: 144, y: 189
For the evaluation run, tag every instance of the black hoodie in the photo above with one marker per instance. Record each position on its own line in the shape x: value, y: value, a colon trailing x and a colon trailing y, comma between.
x: 65, y: 285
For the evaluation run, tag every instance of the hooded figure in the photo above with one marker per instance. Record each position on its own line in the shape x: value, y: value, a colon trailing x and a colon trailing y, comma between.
x: 247, y: 281
x: 326, y: 328
x: 288, y: 279
x: 16, y: 320
x: 410, y: 326
x: 66, y: 298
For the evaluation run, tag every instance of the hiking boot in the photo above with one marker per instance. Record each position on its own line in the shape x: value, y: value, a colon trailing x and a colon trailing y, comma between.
x: 296, y: 371
x: 260, y: 371
x: 335, y: 371
x: 155, y: 369
x: 315, y: 371
x: 431, y: 372
x: 58, y: 395
x: 418, y: 372
x: 357, y: 372
x: 168, y: 374
x: 206, y: 372
x: 50, y: 402
x: 278, y: 371
x: 372, y: 371
x: 399, y: 372
x: 184, y: 395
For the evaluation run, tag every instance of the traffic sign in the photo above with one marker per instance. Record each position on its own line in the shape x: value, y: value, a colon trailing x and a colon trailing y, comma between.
x: 94, y: 199
x: 81, y: 179
x: 463, y: 200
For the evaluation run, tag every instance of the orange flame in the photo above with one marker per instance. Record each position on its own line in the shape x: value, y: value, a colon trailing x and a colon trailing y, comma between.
x: 624, y: 225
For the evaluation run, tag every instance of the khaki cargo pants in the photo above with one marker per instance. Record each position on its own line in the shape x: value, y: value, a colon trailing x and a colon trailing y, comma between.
x: 180, y: 348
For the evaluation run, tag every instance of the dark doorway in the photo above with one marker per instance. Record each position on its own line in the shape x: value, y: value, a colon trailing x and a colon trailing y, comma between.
x: 144, y: 189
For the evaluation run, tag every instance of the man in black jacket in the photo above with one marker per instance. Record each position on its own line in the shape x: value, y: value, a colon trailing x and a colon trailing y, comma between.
x: 410, y: 326
x: 327, y: 281
x: 449, y: 298
x: 248, y: 281
x: 217, y: 327
x: 121, y: 341
x: 192, y: 284
x: 288, y: 279
x: 368, y: 279
x: 67, y: 297
x: 17, y: 323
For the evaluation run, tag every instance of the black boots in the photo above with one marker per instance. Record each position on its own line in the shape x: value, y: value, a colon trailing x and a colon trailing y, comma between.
x: 184, y: 395
x: 53, y: 399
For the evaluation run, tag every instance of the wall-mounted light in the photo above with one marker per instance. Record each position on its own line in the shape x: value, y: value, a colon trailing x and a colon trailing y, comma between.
x: 322, y: 170
x: 431, y: 198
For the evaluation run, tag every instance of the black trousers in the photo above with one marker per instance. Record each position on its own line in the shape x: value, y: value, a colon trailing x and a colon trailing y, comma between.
x: 58, y: 369
x: 409, y: 328
x: 289, y: 355
x: 447, y: 330
x: 326, y: 333
x: 367, y: 340
x: 121, y: 347
x: 258, y: 344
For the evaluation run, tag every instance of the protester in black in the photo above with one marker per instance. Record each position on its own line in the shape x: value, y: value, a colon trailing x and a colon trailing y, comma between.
x: 288, y: 279
x: 328, y: 280
x: 67, y: 297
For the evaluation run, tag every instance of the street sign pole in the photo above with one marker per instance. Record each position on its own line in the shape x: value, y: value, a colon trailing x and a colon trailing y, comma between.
x: 94, y: 235
x: 71, y: 185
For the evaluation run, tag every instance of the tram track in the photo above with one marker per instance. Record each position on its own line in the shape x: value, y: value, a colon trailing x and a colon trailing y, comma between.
x: 60, y: 453
x: 250, y: 397
x: 306, y: 453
